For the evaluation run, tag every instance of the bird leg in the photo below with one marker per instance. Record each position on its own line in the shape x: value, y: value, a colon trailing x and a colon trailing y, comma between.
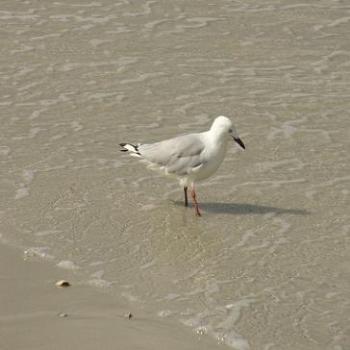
x: 195, y: 203
x: 186, y: 199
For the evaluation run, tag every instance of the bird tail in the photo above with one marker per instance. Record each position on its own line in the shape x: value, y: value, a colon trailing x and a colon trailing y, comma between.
x: 133, y: 150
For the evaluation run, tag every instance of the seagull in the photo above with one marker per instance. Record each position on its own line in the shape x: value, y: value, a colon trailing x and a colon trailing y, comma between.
x: 189, y: 158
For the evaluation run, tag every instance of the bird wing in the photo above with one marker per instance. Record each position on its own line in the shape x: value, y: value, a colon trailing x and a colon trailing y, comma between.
x: 180, y: 155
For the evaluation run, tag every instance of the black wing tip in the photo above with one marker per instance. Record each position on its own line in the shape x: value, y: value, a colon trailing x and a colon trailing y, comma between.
x: 124, y: 149
x: 123, y: 144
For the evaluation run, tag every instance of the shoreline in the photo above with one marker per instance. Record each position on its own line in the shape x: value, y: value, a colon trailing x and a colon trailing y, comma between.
x: 38, y: 315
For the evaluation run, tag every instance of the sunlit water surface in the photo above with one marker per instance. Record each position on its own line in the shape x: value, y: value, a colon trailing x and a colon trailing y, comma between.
x: 267, y: 266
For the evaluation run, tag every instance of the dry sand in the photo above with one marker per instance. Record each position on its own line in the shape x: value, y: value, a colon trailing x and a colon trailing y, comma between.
x: 32, y: 310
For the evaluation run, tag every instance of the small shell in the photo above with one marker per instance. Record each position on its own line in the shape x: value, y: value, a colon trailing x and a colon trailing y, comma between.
x: 62, y: 283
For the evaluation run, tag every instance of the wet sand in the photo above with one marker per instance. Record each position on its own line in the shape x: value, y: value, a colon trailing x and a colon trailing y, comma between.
x: 35, y: 314
x: 267, y: 266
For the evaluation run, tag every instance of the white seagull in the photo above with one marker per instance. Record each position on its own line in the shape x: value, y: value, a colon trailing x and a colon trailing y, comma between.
x: 189, y: 158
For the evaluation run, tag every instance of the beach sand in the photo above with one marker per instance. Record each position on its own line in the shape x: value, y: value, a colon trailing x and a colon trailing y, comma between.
x: 35, y: 314
x: 266, y: 267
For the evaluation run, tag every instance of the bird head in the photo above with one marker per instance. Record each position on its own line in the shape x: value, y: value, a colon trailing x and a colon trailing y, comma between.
x: 223, y: 126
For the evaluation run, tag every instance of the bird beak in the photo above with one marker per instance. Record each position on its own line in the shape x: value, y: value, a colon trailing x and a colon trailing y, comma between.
x: 239, y: 141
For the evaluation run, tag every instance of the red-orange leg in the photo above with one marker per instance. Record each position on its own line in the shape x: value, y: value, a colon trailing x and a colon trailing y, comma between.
x: 195, y: 203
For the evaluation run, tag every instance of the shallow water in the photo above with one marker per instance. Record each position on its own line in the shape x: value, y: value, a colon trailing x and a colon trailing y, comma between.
x: 267, y: 266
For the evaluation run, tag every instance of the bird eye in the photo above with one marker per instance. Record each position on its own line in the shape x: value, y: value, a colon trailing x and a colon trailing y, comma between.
x: 230, y: 131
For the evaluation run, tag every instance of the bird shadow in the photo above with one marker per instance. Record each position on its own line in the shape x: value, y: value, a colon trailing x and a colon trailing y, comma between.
x: 245, y: 208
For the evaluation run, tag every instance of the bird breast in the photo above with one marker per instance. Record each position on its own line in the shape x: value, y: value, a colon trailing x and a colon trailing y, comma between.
x: 216, y: 154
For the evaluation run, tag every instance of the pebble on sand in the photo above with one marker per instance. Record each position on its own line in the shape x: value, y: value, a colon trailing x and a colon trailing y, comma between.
x: 63, y: 284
